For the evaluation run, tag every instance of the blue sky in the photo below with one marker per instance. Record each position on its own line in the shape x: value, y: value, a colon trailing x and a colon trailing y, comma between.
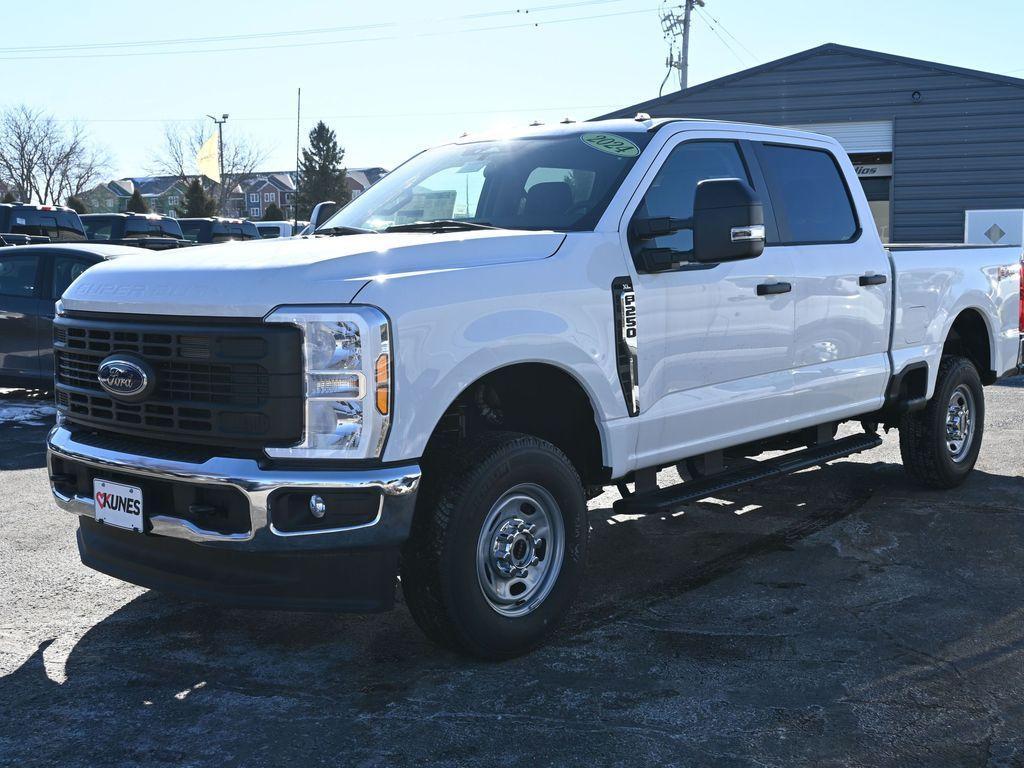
x: 394, y: 77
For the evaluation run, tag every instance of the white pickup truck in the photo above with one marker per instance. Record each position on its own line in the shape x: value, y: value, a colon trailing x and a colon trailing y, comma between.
x: 433, y: 384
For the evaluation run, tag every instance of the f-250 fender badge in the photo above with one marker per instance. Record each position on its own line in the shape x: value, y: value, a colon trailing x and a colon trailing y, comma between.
x: 627, y: 341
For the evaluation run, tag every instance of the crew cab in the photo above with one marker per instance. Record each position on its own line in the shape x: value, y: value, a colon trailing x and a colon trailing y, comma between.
x: 434, y: 383
x: 28, y: 223
x: 141, y: 230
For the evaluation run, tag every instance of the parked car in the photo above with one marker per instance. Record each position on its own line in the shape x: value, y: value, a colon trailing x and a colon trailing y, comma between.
x: 32, y: 278
x: 218, y: 230
x: 142, y: 230
x: 436, y: 382
x: 272, y: 229
x: 25, y: 223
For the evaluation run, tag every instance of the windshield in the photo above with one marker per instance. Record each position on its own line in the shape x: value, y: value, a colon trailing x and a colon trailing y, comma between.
x: 549, y: 182
x: 192, y: 229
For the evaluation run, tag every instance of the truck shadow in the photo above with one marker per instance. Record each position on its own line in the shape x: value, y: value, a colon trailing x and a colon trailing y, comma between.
x: 26, y: 416
x: 158, y: 676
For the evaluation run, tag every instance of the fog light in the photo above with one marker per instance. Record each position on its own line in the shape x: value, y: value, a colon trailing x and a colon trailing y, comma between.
x: 317, y: 506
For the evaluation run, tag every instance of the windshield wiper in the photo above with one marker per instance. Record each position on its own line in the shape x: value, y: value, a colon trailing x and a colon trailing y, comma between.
x: 440, y: 225
x: 335, y: 231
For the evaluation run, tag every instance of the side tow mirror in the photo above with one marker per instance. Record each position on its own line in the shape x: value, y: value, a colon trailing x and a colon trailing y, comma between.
x: 321, y: 213
x: 728, y: 222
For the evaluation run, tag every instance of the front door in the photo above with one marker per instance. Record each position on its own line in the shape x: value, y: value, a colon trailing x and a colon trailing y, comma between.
x: 714, y: 356
x: 21, y: 305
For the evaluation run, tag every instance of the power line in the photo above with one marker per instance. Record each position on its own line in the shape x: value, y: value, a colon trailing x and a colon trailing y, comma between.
x: 676, y: 26
x: 361, y: 115
x: 724, y: 41
x: 706, y: 12
x: 19, y: 51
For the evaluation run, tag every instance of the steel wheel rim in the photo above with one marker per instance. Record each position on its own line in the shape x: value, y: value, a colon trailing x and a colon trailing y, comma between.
x: 960, y: 423
x: 520, y: 550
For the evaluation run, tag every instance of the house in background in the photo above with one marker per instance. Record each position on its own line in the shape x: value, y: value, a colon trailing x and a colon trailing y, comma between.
x: 161, y: 193
x: 358, y: 180
x: 252, y: 197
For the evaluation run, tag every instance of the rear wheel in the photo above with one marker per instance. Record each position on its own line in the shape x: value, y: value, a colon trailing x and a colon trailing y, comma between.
x: 498, y: 545
x: 940, y: 444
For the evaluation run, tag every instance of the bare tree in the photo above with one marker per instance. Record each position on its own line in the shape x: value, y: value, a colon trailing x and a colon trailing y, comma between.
x: 181, y: 145
x: 44, y: 161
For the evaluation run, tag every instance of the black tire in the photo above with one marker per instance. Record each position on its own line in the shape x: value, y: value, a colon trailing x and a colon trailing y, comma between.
x: 927, y: 457
x: 439, y: 566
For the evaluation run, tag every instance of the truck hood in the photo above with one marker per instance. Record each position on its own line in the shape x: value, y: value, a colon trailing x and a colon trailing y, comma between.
x: 249, y: 279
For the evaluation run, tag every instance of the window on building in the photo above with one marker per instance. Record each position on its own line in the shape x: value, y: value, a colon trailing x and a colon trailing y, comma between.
x: 289, y: 197
x: 254, y: 197
x: 268, y: 197
x: 254, y: 212
x: 808, y: 191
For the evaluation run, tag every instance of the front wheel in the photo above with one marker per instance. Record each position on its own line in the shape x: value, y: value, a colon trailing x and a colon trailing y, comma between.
x: 498, y: 545
x: 940, y: 444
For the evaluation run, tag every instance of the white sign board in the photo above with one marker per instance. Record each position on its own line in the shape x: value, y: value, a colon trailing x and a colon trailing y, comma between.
x: 994, y: 227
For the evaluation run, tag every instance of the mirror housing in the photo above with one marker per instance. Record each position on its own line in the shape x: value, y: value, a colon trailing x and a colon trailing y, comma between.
x: 321, y: 213
x: 728, y: 222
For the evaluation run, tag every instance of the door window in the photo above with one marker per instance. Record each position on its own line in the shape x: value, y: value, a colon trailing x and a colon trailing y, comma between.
x: 673, y: 190
x: 808, y: 190
x: 67, y: 269
x: 18, y: 275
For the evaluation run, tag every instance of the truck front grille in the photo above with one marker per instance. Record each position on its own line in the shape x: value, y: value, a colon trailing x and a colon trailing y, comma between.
x: 214, y: 384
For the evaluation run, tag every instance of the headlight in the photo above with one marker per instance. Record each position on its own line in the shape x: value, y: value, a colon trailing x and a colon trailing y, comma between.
x: 347, y: 361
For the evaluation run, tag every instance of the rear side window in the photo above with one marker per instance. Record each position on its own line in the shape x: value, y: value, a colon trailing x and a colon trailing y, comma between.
x: 67, y: 269
x: 18, y: 275
x: 69, y: 226
x: 808, y: 191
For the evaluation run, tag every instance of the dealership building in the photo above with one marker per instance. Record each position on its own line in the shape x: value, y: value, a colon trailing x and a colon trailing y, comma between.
x: 929, y: 141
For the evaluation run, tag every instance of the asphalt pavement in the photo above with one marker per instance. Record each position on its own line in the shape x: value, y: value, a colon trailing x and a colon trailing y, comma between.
x: 838, y: 617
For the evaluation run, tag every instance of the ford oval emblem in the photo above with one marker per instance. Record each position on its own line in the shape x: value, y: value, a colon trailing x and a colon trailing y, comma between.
x: 123, y: 377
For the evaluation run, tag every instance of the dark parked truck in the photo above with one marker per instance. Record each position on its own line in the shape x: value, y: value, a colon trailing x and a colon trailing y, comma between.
x: 141, y: 230
x: 218, y: 230
x: 435, y: 382
x: 24, y: 223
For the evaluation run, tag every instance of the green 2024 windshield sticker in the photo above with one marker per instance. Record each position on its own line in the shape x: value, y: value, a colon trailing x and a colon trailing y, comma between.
x: 612, y: 144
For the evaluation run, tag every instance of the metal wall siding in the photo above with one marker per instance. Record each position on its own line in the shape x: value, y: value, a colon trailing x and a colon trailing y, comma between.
x: 961, y: 147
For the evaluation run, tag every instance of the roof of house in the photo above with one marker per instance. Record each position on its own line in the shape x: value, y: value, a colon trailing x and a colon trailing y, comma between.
x: 827, y: 48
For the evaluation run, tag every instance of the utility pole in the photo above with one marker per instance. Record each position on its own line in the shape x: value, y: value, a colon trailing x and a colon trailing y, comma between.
x: 676, y: 26
x: 220, y: 157
x: 298, y: 131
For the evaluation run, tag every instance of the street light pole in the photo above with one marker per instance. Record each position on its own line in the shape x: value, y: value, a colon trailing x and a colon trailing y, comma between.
x: 220, y: 151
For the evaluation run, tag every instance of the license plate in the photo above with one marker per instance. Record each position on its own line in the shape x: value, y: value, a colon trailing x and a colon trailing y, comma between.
x: 118, y: 505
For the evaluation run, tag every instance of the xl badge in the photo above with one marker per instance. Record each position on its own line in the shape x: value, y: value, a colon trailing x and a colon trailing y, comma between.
x: 123, y: 377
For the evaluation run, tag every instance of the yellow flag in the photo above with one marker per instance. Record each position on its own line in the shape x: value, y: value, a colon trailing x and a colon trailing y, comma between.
x: 208, y: 159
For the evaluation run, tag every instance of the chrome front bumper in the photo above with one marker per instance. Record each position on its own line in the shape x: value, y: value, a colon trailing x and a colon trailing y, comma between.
x: 397, y: 485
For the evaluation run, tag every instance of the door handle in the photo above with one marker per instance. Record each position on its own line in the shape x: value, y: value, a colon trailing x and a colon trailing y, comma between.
x: 873, y: 279
x: 772, y: 289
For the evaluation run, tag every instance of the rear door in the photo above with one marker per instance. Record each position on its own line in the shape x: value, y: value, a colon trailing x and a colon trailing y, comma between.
x: 841, y: 283
x: 21, y: 304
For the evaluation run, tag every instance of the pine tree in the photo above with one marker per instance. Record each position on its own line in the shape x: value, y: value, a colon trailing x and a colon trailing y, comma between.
x: 321, y: 174
x: 273, y: 212
x: 197, y: 204
x: 137, y: 204
x: 76, y: 204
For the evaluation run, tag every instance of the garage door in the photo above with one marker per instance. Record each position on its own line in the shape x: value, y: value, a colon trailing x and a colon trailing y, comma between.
x: 871, y: 137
